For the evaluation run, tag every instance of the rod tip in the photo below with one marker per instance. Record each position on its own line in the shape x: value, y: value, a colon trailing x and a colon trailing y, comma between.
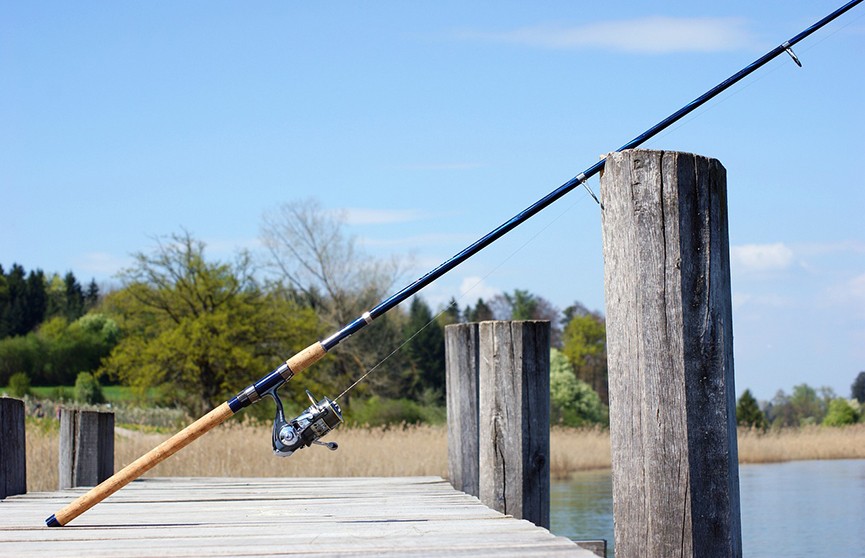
x: 52, y: 522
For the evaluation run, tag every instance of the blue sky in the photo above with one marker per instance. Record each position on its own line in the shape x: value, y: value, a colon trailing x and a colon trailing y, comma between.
x: 430, y: 123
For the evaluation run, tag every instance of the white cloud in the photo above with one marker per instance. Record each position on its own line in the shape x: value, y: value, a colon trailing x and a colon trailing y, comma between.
x: 360, y: 216
x: 473, y: 288
x: 761, y: 257
x: 653, y: 35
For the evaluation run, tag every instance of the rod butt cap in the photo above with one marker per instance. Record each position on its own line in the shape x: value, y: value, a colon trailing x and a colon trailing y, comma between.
x: 52, y: 522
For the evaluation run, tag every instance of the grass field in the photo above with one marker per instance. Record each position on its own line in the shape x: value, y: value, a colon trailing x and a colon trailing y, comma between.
x: 239, y: 449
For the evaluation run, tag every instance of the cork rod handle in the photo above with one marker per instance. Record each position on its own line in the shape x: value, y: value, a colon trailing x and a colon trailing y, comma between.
x: 140, y: 466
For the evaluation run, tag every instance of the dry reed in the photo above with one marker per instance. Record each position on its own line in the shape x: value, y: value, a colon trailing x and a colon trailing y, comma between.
x: 810, y: 442
x: 240, y: 449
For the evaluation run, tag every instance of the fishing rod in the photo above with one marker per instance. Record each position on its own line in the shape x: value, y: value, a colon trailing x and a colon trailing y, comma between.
x: 324, y: 415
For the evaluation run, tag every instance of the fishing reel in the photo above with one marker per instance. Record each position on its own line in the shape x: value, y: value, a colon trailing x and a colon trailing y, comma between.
x: 307, y: 428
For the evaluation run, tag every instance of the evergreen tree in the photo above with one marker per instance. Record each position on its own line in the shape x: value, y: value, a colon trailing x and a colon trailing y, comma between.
x: 4, y: 303
x: 451, y: 314
x: 14, y: 314
x: 480, y: 313
x: 74, y: 298
x: 857, y: 390
x: 425, y: 350
x: 91, y: 297
x: 36, y: 300
x: 748, y: 412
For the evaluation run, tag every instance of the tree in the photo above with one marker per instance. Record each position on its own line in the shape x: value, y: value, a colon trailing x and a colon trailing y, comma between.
x: 524, y: 305
x: 450, y: 315
x: 857, y: 390
x: 804, y: 406
x: 19, y: 384
x: 585, y: 346
x: 572, y: 401
x: 87, y: 389
x: 314, y: 257
x: 199, y: 330
x: 426, y: 352
x: 842, y: 412
x: 748, y: 412
x: 480, y: 313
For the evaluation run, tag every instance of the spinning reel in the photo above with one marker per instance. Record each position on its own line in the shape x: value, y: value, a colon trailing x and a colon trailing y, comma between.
x: 307, y: 428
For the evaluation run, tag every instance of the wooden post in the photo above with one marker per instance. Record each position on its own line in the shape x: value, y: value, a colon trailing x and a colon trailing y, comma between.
x: 86, y: 447
x: 13, y: 462
x: 461, y: 364
x: 514, y: 426
x: 670, y: 351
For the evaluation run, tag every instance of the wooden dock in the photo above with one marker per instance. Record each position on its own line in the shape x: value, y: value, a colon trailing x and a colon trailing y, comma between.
x: 170, y: 517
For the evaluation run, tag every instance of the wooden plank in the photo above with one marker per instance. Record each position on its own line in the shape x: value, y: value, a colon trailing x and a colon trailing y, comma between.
x: 461, y: 366
x: 670, y: 355
x: 399, y: 516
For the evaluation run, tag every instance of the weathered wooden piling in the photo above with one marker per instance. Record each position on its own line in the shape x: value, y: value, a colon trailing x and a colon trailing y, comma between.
x: 498, y: 384
x: 462, y: 361
x: 13, y: 466
x: 86, y: 447
x: 670, y: 355
x: 514, y: 423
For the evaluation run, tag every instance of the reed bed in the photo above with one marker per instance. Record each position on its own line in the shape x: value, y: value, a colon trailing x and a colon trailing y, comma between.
x: 809, y: 442
x: 240, y: 449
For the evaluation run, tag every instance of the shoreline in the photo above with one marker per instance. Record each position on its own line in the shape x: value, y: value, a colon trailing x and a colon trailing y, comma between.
x: 244, y: 451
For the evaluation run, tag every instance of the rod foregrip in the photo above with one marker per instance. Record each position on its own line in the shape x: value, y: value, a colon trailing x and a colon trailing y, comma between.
x: 140, y: 466
x: 306, y: 358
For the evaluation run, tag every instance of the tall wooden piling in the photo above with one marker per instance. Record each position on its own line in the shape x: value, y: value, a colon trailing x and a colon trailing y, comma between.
x: 514, y: 424
x: 13, y: 466
x: 670, y: 355
x: 86, y: 447
x: 462, y: 361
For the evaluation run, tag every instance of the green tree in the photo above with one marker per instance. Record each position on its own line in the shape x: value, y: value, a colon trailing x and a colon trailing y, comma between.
x: 804, y: 406
x: 14, y: 312
x: 450, y: 314
x: 585, y: 346
x: 857, y: 390
x: 19, y: 384
x: 480, y: 313
x: 748, y: 412
x: 200, y: 331
x: 87, y: 389
x: 842, y: 412
x: 426, y: 351
x: 572, y: 401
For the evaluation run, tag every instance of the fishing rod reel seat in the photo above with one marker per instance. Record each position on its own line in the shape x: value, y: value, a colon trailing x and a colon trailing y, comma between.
x: 307, y: 428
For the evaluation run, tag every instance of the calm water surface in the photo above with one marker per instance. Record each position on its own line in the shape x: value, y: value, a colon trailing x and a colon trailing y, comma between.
x: 802, y: 508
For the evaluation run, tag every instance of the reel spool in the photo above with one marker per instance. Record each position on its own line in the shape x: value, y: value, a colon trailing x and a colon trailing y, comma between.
x: 307, y: 428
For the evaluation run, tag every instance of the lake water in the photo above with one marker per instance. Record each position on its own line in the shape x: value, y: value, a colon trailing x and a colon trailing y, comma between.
x: 800, y: 508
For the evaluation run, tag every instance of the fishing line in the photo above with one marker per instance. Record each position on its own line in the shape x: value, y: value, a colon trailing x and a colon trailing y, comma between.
x: 462, y: 296
x: 323, y: 415
x: 585, y: 183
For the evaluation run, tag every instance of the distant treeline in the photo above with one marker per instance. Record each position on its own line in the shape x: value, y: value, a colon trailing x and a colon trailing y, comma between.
x: 190, y: 331
x: 28, y: 299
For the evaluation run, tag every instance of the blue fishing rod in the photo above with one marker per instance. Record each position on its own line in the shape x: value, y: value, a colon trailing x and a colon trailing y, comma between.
x: 324, y: 415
